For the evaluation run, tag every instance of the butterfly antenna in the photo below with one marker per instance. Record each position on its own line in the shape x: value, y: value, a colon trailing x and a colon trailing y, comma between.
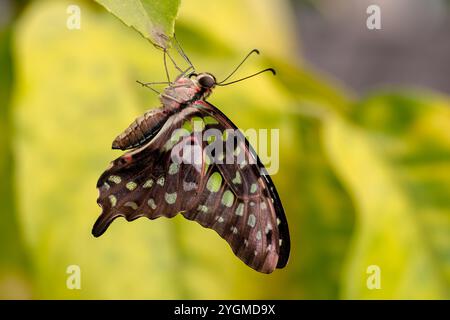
x: 240, y: 64
x: 182, y: 53
x: 250, y: 76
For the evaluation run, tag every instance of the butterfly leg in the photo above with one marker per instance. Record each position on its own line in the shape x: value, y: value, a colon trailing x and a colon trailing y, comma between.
x: 166, y: 52
x: 149, y: 84
x: 165, y: 66
x: 183, y: 54
x: 186, y: 71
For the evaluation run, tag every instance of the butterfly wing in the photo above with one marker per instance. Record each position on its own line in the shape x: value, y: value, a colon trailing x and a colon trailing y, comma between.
x: 254, y: 223
x: 178, y: 172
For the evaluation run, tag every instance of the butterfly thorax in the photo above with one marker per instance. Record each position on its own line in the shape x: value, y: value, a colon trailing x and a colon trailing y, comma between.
x: 187, y: 89
x: 179, y: 94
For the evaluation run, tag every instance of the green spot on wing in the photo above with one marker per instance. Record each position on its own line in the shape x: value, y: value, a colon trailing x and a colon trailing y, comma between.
x: 151, y: 203
x: 240, y: 209
x: 187, y: 125
x: 113, y: 200
x: 210, y: 120
x: 237, y: 179
x: 214, y: 182
x: 171, y: 197
x: 131, y: 185
x: 225, y: 135
x: 131, y: 204
x: 228, y: 198
x: 251, y: 220
x: 115, y: 179
x: 148, y: 184
x: 211, y: 139
x: 208, y: 162
x: 199, y: 125
x: 176, y: 135
x: 173, y: 168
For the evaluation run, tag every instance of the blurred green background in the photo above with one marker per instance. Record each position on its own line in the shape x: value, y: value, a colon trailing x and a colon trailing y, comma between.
x: 364, y: 178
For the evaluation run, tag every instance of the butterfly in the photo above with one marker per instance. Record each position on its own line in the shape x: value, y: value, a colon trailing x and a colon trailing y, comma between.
x: 188, y: 158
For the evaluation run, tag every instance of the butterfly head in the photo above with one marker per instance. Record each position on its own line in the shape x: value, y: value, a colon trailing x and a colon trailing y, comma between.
x: 206, y: 80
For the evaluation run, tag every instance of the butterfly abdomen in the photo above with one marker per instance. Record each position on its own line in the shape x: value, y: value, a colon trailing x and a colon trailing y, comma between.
x: 142, y: 129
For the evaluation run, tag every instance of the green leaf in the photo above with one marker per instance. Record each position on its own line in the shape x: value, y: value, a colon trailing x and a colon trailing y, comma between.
x: 155, y: 20
x: 395, y: 161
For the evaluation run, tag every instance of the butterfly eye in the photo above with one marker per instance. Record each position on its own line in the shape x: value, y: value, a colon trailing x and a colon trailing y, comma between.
x: 206, y: 81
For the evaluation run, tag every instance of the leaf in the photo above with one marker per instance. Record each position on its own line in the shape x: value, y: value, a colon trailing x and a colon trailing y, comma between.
x: 395, y: 161
x: 155, y: 20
